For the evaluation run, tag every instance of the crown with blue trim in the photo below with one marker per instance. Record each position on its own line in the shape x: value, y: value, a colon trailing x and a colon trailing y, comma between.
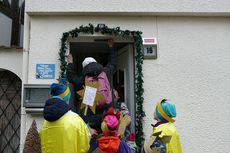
x: 166, y: 111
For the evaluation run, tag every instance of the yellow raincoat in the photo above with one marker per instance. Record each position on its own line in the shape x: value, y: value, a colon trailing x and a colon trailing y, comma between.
x: 174, y: 145
x: 68, y: 134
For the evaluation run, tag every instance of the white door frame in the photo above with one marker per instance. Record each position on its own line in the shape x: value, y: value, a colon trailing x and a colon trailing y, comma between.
x: 129, y: 81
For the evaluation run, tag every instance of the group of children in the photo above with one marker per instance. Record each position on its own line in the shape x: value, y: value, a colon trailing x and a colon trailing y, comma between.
x: 65, y: 131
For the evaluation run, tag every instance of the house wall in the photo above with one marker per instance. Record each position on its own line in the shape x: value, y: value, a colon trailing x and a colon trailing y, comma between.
x: 192, y: 70
x: 44, y: 43
x: 147, y: 7
x: 11, y: 59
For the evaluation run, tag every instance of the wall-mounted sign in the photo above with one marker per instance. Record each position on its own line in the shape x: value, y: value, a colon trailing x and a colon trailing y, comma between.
x: 149, y: 41
x: 45, y: 71
x: 150, y: 48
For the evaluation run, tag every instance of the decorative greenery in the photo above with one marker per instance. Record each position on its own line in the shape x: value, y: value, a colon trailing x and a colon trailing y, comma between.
x: 116, y: 32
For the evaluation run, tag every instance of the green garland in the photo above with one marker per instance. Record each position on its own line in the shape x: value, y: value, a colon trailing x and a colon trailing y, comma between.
x: 139, y: 90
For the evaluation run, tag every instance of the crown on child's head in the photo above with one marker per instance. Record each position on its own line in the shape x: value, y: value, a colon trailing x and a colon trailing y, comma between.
x: 110, y: 122
x: 111, y: 111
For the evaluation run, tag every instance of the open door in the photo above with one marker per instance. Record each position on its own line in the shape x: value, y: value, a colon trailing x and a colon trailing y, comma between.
x: 125, y: 67
x: 96, y: 47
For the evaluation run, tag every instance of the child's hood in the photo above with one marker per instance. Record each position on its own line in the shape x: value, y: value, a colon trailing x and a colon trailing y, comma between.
x: 54, y: 109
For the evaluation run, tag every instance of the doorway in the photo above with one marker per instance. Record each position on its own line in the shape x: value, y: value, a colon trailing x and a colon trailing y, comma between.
x: 123, y: 79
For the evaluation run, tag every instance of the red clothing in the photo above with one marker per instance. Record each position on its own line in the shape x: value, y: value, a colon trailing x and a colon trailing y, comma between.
x: 109, y: 144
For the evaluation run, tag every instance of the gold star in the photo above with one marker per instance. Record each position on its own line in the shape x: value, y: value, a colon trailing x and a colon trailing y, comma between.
x: 98, y: 97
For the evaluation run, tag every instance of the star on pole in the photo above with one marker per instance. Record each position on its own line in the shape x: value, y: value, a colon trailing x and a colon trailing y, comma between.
x: 97, y: 98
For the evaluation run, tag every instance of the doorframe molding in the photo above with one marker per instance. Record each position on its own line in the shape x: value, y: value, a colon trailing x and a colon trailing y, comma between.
x: 129, y: 80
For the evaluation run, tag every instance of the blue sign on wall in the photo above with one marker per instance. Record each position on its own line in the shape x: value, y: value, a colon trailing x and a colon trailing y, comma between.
x: 45, y: 71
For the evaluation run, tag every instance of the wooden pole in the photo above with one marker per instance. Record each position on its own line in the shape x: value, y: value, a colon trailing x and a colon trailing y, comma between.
x: 86, y: 108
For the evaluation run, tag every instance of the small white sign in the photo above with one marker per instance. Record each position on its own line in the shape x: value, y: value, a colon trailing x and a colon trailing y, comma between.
x: 89, y: 95
x: 150, y: 41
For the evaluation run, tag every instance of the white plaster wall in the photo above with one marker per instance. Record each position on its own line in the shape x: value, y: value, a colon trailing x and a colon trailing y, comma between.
x: 11, y: 59
x: 46, y: 32
x: 192, y: 70
x: 5, y: 30
x: 198, y: 7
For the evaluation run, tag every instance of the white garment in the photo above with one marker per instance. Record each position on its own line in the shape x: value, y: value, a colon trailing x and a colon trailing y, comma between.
x: 88, y: 60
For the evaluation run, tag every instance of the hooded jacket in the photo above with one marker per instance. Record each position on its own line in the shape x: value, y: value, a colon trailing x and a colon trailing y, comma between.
x: 168, y: 129
x: 111, y: 144
x: 93, y: 69
x: 63, y: 130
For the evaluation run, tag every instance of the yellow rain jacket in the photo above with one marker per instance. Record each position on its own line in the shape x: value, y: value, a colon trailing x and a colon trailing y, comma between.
x: 68, y: 134
x: 167, y: 129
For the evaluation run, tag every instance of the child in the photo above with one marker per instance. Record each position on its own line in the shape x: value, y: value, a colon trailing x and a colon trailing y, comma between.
x: 110, y: 142
x: 123, y: 107
x: 63, y: 130
x: 164, y: 114
x: 128, y: 136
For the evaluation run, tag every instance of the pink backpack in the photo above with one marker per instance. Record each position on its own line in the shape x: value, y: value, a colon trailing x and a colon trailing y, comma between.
x: 104, y: 88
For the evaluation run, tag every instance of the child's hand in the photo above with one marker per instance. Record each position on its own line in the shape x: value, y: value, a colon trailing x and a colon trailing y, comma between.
x: 93, y: 132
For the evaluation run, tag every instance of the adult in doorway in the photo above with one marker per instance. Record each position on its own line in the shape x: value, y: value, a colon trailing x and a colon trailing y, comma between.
x: 93, y: 69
